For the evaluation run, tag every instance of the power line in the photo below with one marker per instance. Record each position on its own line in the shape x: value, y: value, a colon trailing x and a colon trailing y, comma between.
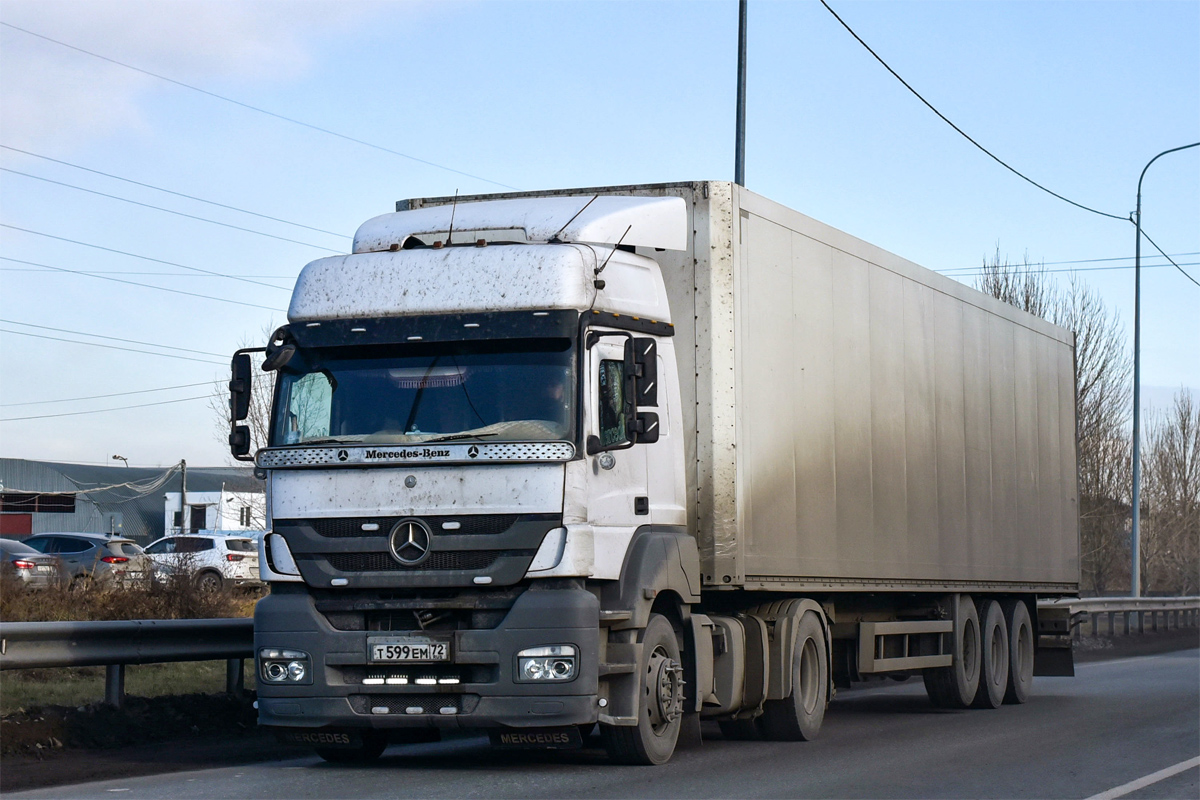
x: 302, y: 124
x: 158, y: 274
x: 102, y: 396
x: 169, y: 191
x: 1168, y: 258
x: 1077, y: 261
x: 963, y: 133
x: 169, y: 211
x: 964, y: 272
x: 143, y: 285
x: 110, y: 347
x: 102, y: 410
x: 135, y: 255
x: 113, y: 338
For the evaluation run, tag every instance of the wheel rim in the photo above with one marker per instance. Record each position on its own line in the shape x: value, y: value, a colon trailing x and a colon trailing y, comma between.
x: 1024, y: 652
x: 664, y: 690
x: 970, y: 651
x: 810, y: 677
x: 997, y: 655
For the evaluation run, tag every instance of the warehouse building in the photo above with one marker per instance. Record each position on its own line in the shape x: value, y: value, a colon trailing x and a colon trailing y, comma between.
x: 141, y: 503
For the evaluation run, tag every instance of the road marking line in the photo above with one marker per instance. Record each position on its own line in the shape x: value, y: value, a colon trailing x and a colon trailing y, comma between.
x: 1141, y: 783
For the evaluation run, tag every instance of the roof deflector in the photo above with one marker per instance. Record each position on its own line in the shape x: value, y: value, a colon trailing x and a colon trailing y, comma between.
x: 659, y: 222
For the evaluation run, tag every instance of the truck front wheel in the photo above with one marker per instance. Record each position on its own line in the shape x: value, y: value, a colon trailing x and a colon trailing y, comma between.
x: 660, y: 705
x: 798, y: 717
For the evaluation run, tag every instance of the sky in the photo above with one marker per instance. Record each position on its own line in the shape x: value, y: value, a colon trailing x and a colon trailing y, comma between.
x: 485, y: 96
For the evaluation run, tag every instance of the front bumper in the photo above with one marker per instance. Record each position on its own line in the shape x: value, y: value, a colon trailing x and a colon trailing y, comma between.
x: 488, y: 695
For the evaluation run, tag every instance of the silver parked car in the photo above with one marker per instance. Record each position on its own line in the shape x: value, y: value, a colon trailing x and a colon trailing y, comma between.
x: 33, y: 570
x: 94, y: 557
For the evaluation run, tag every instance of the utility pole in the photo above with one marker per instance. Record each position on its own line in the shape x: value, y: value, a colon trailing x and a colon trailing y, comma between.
x: 1135, y: 549
x: 739, y: 159
x: 182, y: 495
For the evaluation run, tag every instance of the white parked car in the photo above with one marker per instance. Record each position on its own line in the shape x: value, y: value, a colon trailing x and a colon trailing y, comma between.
x: 216, y: 560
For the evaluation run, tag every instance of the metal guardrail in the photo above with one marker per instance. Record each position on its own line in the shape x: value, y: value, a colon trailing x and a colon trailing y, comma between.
x: 113, y: 645
x: 1137, y: 614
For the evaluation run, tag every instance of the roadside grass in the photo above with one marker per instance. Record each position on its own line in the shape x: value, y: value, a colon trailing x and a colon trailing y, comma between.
x: 81, y: 686
x: 177, y: 597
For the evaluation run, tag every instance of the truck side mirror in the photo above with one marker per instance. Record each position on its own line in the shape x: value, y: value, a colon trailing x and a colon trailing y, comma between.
x: 239, y: 388
x: 239, y: 440
x: 647, y: 427
x: 645, y: 356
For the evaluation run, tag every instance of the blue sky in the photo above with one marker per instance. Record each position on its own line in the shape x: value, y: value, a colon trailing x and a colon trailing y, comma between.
x: 1077, y: 95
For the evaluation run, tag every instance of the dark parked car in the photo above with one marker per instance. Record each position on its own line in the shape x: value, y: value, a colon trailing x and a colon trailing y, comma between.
x: 34, y: 570
x: 94, y: 556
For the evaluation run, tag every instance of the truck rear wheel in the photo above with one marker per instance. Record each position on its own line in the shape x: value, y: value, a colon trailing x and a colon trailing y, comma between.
x: 1020, y: 645
x: 660, y: 705
x: 798, y: 717
x: 993, y: 656
x: 955, y: 686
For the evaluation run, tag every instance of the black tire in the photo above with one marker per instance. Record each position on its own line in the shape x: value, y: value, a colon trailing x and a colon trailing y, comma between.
x: 1021, y: 648
x: 660, y: 704
x: 209, y: 581
x: 955, y: 686
x: 740, y: 730
x: 372, y: 747
x: 993, y: 655
x: 798, y: 717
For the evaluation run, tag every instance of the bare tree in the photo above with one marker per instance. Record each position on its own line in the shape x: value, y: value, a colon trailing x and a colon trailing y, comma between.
x: 1102, y: 370
x: 1171, y: 499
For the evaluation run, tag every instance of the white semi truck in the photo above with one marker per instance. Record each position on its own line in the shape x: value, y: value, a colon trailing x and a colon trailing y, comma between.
x: 643, y: 456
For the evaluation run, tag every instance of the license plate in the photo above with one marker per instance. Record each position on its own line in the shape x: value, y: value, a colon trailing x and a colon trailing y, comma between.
x: 407, y: 648
x: 539, y: 738
x: 45, y: 568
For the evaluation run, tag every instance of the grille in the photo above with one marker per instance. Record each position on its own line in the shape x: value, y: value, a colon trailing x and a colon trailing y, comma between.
x: 477, y: 524
x: 438, y: 560
x: 428, y: 703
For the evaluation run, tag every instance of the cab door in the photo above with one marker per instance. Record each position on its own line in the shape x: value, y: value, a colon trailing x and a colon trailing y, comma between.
x: 618, y: 496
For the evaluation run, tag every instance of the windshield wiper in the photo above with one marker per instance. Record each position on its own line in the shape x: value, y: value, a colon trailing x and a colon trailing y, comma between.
x: 455, y: 436
x: 332, y: 440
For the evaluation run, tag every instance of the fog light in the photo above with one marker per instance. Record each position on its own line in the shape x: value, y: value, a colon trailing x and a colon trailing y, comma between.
x: 284, y: 666
x: 549, y: 663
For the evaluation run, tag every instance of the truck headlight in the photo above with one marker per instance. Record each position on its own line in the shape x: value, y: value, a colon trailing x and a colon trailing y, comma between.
x: 554, y: 662
x: 284, y: 666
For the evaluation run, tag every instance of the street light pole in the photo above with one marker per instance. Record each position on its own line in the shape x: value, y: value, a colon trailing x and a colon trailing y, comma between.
x: 739, y: 157
x: 1135, y: 551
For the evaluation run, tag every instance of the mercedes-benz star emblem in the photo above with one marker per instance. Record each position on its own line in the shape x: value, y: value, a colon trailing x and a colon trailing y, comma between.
x: 472, y: 451
x: 343, y: 455
x: 410, y: 541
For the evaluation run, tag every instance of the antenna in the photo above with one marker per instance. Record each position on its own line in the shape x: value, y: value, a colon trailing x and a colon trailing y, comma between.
x: 554, y: 239
x: 453, y: 208
x: 599, y: 283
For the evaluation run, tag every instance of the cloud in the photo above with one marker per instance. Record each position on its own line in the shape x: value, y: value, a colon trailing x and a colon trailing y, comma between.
x: 51, y: 94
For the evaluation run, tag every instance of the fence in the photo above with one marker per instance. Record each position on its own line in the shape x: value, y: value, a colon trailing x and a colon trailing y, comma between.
x: 113, y: 645
x: 1136, y: 614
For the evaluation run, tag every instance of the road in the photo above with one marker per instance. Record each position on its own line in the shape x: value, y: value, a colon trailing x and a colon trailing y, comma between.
x: 1116, y: 722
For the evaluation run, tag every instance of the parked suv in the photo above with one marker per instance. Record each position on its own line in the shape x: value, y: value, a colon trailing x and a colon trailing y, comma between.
x: 94, y: 556
x: 32, y: 569
x: 215, y: 560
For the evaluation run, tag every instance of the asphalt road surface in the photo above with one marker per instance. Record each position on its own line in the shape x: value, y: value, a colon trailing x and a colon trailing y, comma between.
x: 1114, y: 730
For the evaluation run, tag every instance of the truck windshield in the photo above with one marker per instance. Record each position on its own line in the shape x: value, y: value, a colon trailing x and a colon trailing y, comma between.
x: 517, y: 389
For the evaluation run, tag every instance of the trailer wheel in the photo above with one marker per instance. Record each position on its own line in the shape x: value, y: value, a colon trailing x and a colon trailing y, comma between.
x: 955, y: 686
x: 1020, y: 645
x: 993, y: 656
x: 798, y: 717
x: 372, y: 747
x: 660, y: 708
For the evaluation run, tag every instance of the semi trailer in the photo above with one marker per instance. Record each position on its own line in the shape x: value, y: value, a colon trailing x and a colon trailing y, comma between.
x: 643, y: 456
